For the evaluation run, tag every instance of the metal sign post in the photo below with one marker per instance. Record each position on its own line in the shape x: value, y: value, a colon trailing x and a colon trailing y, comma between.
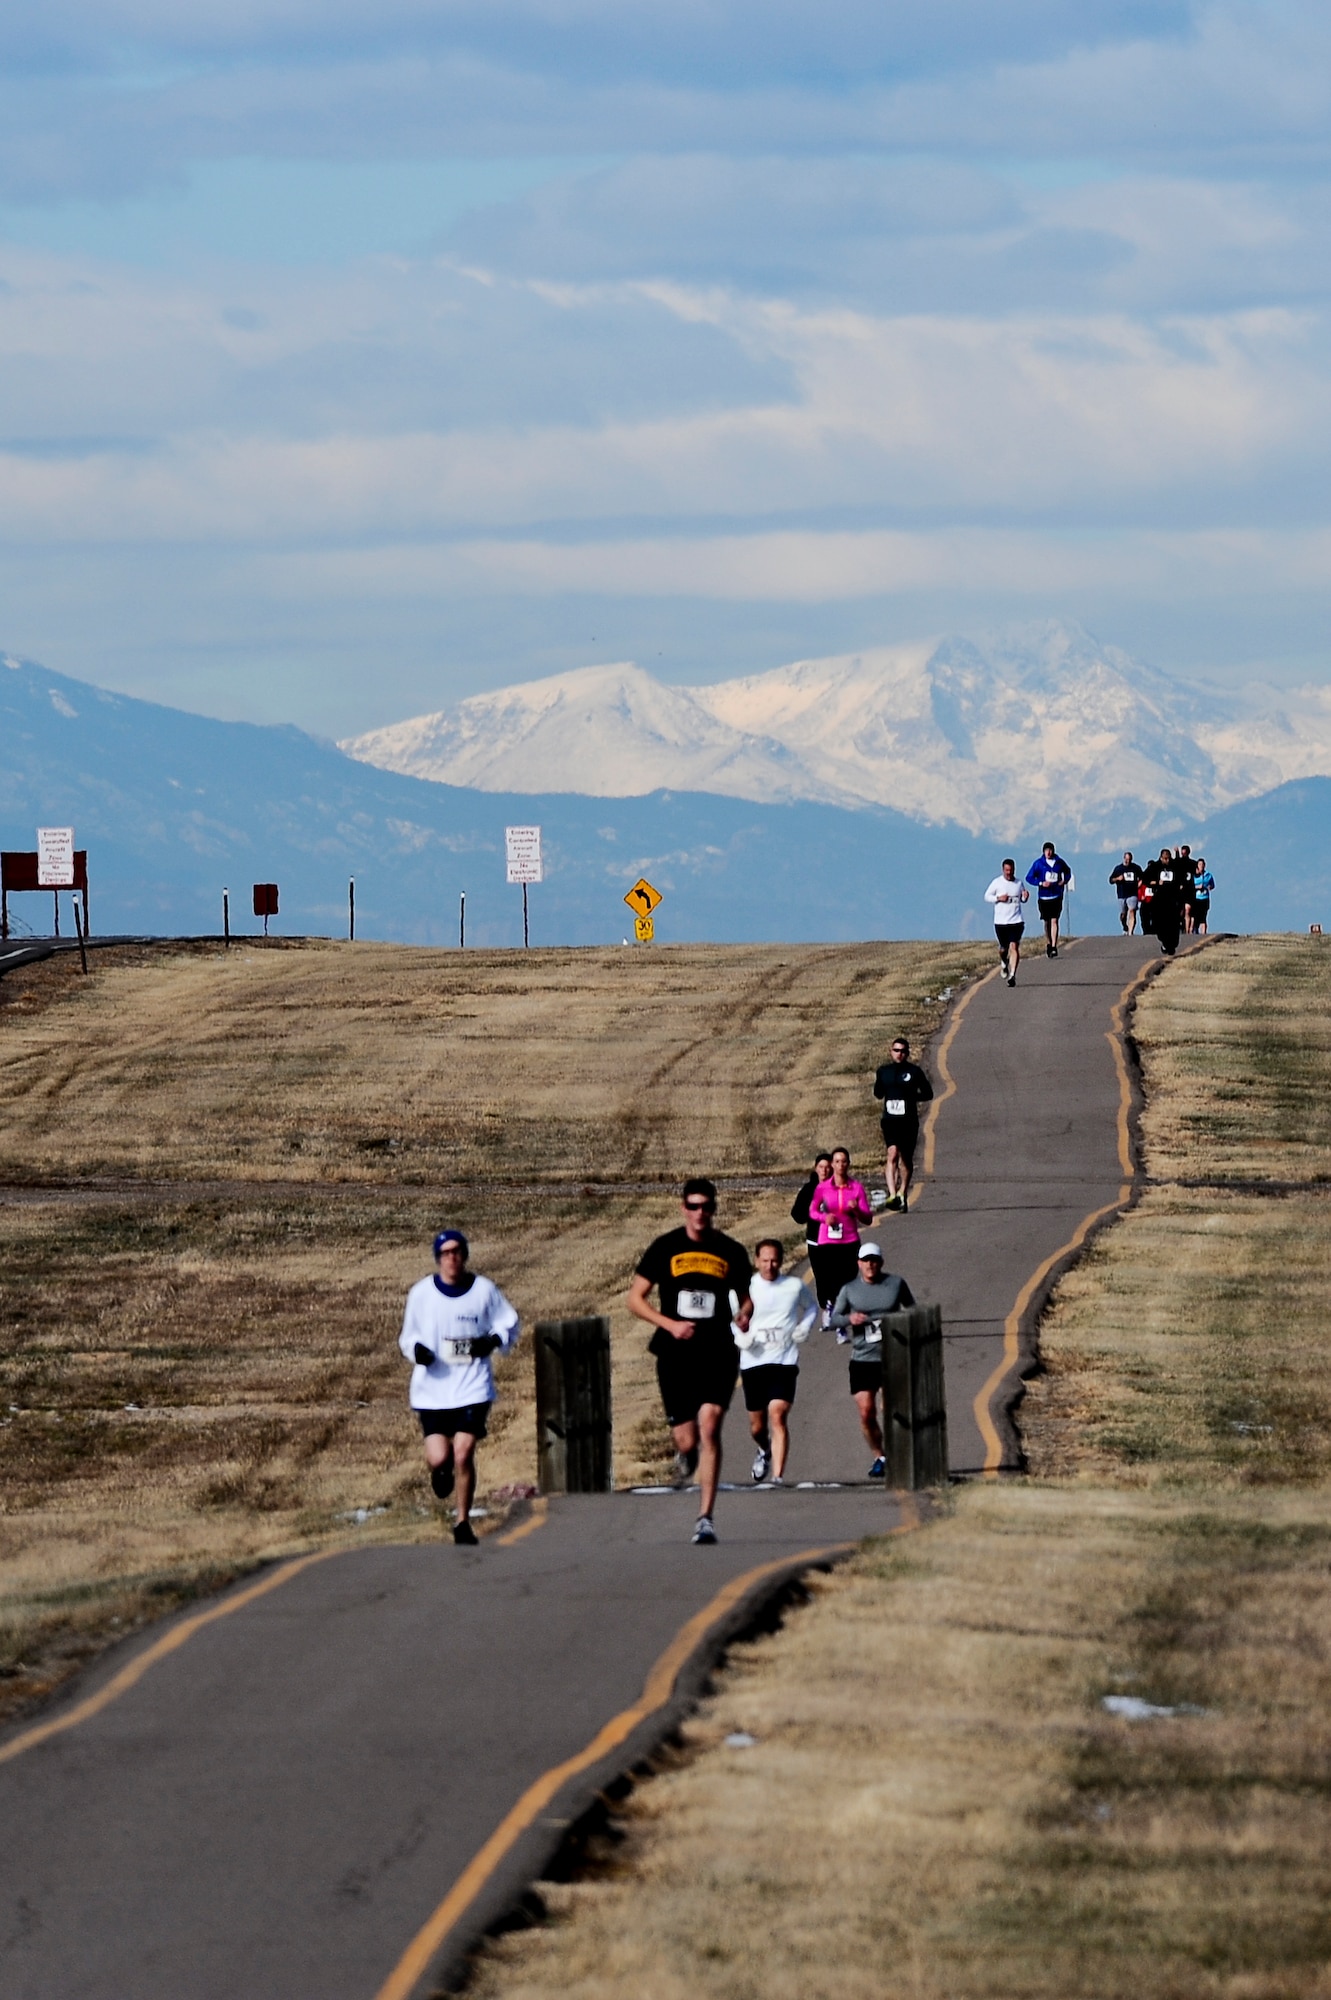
x: 522, y: 848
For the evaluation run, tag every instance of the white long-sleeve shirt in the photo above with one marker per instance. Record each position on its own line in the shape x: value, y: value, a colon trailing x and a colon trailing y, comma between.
x: 1010, y: 912
x: 784, y: 1310
x: 447, y: 1326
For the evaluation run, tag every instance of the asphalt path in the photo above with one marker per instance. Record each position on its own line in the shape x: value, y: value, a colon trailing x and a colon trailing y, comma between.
x: 328, y: 1784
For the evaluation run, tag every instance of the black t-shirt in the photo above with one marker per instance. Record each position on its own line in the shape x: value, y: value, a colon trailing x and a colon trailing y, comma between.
x: 1168, y: 878
x: 902, y: 1085
x: 694, y: 1281
x: 1126, y: 877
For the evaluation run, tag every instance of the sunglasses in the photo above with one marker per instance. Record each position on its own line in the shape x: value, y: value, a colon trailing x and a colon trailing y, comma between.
x: 701, y: 1207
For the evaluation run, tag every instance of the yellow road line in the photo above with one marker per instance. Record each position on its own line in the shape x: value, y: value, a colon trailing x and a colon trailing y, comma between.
x: 540, y: 1514
x: 415, y: 1960
x: 1114, y: 1035
x: 170, y: 1642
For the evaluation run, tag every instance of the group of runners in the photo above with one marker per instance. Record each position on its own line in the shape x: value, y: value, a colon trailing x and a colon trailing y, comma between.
x: 719, y: 1320
x: 1170, y: 896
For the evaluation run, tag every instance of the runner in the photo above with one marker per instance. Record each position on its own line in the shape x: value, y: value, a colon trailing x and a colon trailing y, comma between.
x: 695, y: 1270
x: 839, y: 1206
x: 453, y: 1323
x: 1185, y: 868
x: 1007, y: 895
x: 769, y: 1357
x: 799, y: 1212
x: 903, y: 1087
x: 1126, y: 878
x: 1203, y: 883
x: 857, y: 1318
x: 1163, y: 878
x: 1049, y: 877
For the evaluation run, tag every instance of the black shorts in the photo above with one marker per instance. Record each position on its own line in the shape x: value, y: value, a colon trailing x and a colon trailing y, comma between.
x: 903, y: 1133
x: 865, y: 1375
x: 1049, y: 906
x: 469, y: 1417
x: 768, y: 1382
x: 1008, y: 934
x: 688, y: 1380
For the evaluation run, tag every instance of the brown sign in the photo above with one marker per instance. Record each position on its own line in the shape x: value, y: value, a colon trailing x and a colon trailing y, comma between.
x: 18, y: 871
x: 265, y: 899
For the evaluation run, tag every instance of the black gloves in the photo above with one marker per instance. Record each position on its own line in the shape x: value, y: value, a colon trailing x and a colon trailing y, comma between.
x: 484, y: 1343
x: 425, y: 1356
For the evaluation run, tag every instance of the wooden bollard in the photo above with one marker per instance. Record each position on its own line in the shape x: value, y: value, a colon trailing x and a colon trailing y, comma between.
x: 914, y: 1399
x: 573, y: 1428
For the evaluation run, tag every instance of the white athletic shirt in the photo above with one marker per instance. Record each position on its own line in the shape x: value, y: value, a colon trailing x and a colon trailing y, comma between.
x: 454, y: 1380
x: 1007, y: 913
x: 784, y: 1309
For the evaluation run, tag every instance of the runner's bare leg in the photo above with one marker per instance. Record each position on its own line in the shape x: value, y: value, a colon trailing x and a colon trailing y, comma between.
x: 709, y: 1455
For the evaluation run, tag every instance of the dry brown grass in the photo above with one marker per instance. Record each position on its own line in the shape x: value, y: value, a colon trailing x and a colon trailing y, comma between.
x: 244, y: 1158
x: 938, y: 1805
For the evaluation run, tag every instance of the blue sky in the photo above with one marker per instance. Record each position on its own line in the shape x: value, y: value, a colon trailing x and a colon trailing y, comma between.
x: 355, y: 358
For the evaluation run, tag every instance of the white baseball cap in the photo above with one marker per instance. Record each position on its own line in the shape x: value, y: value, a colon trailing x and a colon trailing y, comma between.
x: 870, y: 1250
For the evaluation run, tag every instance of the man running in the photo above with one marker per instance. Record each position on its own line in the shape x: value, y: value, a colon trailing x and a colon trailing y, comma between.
x: 1049, y: 877
x: 1185, y: 868
x: 1007, y: 895
x: 903, y: 1087
x: 784, y: 1310
x: 695, y: 1269
x: 1163, y: 879
x: 857, y: 1317
x: 453, y: 1323
x: 1126, y: 879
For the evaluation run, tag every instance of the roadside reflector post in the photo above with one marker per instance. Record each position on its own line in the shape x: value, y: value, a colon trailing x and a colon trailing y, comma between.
x: 226, y: 918
x: 573, y: 1425
x: 462, y: 921
x: 914, y: 1401
x: 78, y: 925
x: 351, y: 911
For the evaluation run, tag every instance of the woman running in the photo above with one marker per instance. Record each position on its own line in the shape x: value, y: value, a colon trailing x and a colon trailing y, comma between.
x: 799, y: 1212
x: 839, y: 1206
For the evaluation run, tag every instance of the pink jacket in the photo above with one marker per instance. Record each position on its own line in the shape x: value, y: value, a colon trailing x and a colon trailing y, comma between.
x: 839, y: 1210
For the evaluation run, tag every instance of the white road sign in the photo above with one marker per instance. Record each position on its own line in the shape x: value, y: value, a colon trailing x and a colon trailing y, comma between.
x: 523, y: 846
x: 55, y: 857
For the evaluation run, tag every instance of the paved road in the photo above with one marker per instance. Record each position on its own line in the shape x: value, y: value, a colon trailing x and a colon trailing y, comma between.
x: 277, y: 1807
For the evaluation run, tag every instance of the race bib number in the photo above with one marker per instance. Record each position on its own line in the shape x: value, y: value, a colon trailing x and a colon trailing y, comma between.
x: 1166, y: 874
x: 873, y: 1333
x: 455, y: 1350
x: 895, y: 1107
x: 835, y: 1232
x: 696, y: 1305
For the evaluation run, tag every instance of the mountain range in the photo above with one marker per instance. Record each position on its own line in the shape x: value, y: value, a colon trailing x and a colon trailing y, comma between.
x: 173, y: 806
x: 1042, y: 729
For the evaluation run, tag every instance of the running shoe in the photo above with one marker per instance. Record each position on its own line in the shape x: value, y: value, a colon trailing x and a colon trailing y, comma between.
x: 777, y: 1479
x: 441, y: 1480
x: 877, y: 1198
x: 686, y: 1463
x: 878, y: 1470
x: 1012, y: 979
x: 704, y: 1531
x: 903, y: 1204
x: 1053, y: 951
x: 464, y: 1535
x: 895, y: 1202
x: 762, y: 1465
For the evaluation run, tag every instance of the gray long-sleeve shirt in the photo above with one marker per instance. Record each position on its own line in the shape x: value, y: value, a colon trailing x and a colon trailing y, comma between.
x: 888, y: 1295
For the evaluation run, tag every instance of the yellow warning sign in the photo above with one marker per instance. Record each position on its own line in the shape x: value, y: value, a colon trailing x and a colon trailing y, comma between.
x: 642, y: 899
x: 644, y: 930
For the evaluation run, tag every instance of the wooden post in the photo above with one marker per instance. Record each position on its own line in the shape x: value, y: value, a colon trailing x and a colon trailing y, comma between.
x: 351, y: 911
x: 226, y: 918
x: 573, y: 1427
x: 914, y: 1401
x: 83, y: 954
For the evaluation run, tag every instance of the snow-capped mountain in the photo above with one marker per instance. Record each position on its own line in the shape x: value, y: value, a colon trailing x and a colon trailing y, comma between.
x: 1044, y: 727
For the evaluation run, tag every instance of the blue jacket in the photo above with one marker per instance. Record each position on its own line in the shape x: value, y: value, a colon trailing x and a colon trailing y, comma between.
x: 1049, y: 878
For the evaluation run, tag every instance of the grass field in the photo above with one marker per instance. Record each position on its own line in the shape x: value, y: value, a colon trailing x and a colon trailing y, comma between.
x: 219, y: 1172
x: 938, y: 1805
